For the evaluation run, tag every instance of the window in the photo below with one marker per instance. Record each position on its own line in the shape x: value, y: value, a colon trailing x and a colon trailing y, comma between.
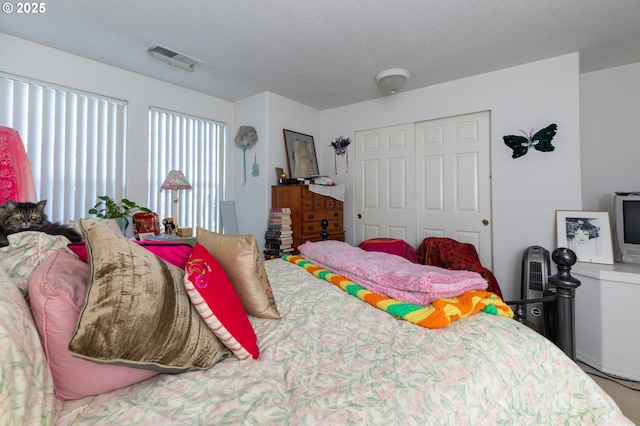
x: 194, y: 146
x: 75, y: 142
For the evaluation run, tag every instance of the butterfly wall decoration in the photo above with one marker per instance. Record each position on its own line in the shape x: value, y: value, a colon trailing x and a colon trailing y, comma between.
x: 540, y: 140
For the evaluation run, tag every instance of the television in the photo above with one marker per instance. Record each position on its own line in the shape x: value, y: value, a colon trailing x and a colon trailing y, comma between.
x: 627, y: 226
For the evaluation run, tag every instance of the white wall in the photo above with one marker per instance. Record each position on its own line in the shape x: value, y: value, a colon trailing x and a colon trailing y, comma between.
x: 525, y: 191
x: 251, y: 199
x: 609, y: 114
x: 35, y: 61
x: 269, y: 113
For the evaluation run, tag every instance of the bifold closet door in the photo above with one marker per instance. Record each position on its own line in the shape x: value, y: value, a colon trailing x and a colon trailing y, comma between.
x: 425, y: 179
x: 384, y: 194
x: 453, y: 180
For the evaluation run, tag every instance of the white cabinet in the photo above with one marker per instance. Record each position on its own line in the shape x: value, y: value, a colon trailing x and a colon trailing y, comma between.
x: 607, y: 320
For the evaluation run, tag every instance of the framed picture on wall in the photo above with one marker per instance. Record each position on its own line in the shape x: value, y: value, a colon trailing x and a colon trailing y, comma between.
x: 587, y: 233
x: 301, y: 155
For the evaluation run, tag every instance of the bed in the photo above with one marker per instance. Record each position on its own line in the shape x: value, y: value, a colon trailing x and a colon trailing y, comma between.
x: 329, y: 358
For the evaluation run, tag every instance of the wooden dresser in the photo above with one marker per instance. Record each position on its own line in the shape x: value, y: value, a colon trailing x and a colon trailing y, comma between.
x: 307, y: 210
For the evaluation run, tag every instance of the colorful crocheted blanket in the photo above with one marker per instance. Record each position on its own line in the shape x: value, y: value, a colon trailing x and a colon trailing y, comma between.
x: 440, y: 313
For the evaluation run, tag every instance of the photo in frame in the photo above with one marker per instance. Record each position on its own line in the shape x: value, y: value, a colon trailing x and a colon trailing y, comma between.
x: 587, y: 233
x: 301, y: 155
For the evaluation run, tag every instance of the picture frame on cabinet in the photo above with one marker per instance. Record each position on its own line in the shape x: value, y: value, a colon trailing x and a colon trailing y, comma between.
x: 587, y: 233
x: 301, y: 155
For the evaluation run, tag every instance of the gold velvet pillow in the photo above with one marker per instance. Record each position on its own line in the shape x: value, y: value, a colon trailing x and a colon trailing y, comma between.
x: 241, y: 261
x: 137, y: 311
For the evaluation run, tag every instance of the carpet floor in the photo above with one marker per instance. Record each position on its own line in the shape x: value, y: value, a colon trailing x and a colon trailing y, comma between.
x: 626, y: 393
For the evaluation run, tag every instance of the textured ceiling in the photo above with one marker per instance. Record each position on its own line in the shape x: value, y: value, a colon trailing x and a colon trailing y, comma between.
x: 326, y: 53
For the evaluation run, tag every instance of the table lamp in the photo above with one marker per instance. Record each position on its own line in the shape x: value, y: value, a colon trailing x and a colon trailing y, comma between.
x: 175, y: 181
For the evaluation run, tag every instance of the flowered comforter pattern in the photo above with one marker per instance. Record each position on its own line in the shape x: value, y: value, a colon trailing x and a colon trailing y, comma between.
x: 331, y: 359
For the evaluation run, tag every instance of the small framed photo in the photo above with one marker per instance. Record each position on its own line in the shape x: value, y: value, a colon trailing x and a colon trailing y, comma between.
x: 301, y: 155
x: 587, y: 233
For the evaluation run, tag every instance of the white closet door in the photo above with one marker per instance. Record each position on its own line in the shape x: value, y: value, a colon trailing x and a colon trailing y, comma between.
x: 426, y: 179
x: 454, y: 180
x: 385, y: 189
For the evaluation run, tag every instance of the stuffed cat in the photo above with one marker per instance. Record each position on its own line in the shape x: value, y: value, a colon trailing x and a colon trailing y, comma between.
x: 27, y: 216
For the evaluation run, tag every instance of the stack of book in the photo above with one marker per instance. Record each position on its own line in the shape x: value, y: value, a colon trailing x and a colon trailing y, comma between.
x: 279, y: 236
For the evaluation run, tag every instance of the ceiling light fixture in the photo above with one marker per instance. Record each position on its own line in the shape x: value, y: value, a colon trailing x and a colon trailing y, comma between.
x: 392, y: 80
x: 174, y: 58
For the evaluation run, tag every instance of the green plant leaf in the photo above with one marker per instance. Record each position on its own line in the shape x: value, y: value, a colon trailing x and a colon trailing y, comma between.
x: 107, y: 207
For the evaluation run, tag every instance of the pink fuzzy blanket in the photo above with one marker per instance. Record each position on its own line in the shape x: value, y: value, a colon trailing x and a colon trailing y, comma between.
x: 391, y: 275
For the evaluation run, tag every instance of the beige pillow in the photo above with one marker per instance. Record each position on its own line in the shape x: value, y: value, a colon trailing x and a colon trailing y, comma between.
x: 137, y: 312
x: 241, y: 261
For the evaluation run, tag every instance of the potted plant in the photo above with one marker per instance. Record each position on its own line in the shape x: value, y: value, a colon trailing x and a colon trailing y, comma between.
x: 109, y: 208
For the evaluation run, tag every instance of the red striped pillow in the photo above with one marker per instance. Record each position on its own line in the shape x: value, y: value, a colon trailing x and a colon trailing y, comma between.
x: 218, y: 304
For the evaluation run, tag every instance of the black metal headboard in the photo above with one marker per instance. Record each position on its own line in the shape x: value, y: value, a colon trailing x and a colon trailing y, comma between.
x: 564, y: 298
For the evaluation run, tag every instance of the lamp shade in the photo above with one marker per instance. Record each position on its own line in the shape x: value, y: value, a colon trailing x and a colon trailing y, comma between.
x: 175, y: 180
x: 392, y: 80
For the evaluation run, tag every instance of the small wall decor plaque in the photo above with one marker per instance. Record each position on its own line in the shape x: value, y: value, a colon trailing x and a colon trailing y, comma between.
x: 340, y: 146
x: 245, y: 139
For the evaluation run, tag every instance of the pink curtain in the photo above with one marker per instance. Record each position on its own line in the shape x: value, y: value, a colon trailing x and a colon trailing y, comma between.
x: 16, y: 179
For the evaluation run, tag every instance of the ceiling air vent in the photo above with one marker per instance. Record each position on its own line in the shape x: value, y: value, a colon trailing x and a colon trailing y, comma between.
x: 174, y: 58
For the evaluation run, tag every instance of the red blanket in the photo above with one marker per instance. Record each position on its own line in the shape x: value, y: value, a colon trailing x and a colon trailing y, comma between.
x: 451, y: 254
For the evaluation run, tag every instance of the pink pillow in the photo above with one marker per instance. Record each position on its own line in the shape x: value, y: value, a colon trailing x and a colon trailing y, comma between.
x: 218, y: 304
x: 57, y: 290
x: 390, y: 245
x: 175, y: 253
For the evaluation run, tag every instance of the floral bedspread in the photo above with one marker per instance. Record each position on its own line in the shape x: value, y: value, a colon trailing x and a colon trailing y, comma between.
x: 333, y: 359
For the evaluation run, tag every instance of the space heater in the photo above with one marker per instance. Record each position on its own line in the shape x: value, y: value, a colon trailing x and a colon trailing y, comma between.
x: 536, y: 264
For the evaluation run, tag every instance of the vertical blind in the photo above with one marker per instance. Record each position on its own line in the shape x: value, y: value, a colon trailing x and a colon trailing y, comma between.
x: 194, y: 146
x: 75, y: 142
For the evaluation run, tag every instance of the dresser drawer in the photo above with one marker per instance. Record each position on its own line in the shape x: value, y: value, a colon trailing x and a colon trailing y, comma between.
x: 334, y: 215
x: 313, y: 216
x: 307, y: 205
x: 327, y: 203
x: 313, y: 227
x: 338, y: 236
x: 318, y: 203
